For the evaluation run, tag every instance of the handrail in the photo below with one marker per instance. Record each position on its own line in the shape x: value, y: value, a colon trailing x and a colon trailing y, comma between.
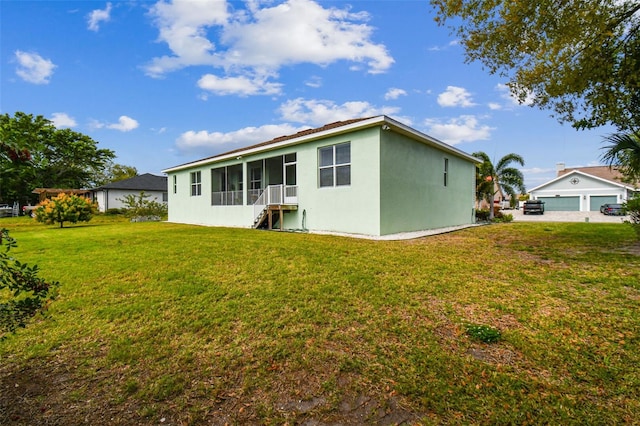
x: 274, y: 195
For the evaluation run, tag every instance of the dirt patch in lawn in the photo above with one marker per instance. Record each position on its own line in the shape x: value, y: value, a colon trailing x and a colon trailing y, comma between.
x: 54, y: 394
x: 633, y: 249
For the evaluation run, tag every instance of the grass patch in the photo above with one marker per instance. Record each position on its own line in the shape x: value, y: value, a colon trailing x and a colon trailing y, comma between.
x: 483, y: 333
x: 211, y: 325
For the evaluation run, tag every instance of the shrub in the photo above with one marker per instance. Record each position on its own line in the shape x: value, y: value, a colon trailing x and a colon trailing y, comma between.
x: 504, y: 217
x: 26, y: 293
x: 484, y: 333
x: 139, y: 208
x: 482, y: 215
x: 65, y: 208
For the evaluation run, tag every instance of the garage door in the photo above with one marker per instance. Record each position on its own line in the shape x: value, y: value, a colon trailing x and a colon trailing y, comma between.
x: 561, y: 204
x: 596, y: 202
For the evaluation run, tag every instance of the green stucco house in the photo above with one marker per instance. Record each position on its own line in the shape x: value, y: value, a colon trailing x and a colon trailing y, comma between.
x: 370, y: 176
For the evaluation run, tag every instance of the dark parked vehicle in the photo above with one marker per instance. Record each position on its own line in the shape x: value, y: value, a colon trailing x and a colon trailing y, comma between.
x: 612, y: 209
x: 533, y: 207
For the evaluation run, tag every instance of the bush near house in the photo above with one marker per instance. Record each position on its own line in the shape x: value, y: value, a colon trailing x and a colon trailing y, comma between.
x: 140, y: 209
x: 483, y: 215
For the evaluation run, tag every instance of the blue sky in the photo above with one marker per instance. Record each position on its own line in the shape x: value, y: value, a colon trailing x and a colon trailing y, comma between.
x: 163, y: 83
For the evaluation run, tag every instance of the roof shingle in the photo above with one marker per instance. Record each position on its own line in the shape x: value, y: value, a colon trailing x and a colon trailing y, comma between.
x: 144, y: 182
x: 611, y: 174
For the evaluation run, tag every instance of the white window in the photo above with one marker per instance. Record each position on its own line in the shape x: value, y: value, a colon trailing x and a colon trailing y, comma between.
x: 334, y: 165
x: 175, y: 184
x: 196, y: 184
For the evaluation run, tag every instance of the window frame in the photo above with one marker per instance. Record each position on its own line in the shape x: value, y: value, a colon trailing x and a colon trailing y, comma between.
x: 446, y: 172
x: 334, y: 167
x: 196, y: 183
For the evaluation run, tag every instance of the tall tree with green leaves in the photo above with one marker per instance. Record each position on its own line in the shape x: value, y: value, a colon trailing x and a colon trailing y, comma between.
x: 501, y: 177
x: 578, y: 58
x: 114, y: 173
x: 20, y: 136
x: 33, y: 153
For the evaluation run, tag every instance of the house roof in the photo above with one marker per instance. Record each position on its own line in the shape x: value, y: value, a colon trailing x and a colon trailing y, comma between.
x: 327, y: 130
x: 578, y: 171
x: 611, y: 174
x: 144, y: 182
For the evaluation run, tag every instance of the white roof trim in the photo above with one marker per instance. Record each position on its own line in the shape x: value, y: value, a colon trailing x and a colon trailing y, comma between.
x: 578, y: 172
x: 379, y: 120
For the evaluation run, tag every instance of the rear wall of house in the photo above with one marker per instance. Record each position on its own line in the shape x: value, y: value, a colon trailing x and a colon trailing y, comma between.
x: 353, y: 208
x: 413, y: 190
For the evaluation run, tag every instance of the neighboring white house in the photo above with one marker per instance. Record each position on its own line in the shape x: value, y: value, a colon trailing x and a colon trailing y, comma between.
x: 583, y: 189
x: 110, y: 196
x: 371, y: 176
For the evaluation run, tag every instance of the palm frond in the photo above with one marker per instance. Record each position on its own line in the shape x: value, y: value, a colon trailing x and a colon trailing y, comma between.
x: 623, y: 151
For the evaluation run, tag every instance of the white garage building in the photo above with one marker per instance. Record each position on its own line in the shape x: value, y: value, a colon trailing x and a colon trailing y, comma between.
x: 583, y: 189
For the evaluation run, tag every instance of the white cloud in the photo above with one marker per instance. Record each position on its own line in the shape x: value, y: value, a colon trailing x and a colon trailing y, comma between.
x: 242, y: 86
x: 394, y: 93
x: 319, y: 112
x: 302, y: 31
x: 445, y: 47
x: 96, y: 16
x: 465, y: 128
x: 455, y: 97
x: 308, y: 112
x: 33, y: 68
x: 124, y: 124
x: 61, y: 119
x: 314, y: 81
x: 183, y: 26
x: 262, y: 38
x: 209, y: 142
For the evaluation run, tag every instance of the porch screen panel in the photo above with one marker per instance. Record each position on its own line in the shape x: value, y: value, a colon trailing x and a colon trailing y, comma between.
x: 218, y: 185
x: 234, y: 185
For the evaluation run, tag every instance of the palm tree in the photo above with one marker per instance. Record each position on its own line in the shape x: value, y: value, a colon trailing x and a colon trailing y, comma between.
x: 502, y: 178
x: 624, y: 152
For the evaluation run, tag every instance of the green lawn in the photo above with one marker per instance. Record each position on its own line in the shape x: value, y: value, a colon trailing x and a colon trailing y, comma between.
x: 159, y: 323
